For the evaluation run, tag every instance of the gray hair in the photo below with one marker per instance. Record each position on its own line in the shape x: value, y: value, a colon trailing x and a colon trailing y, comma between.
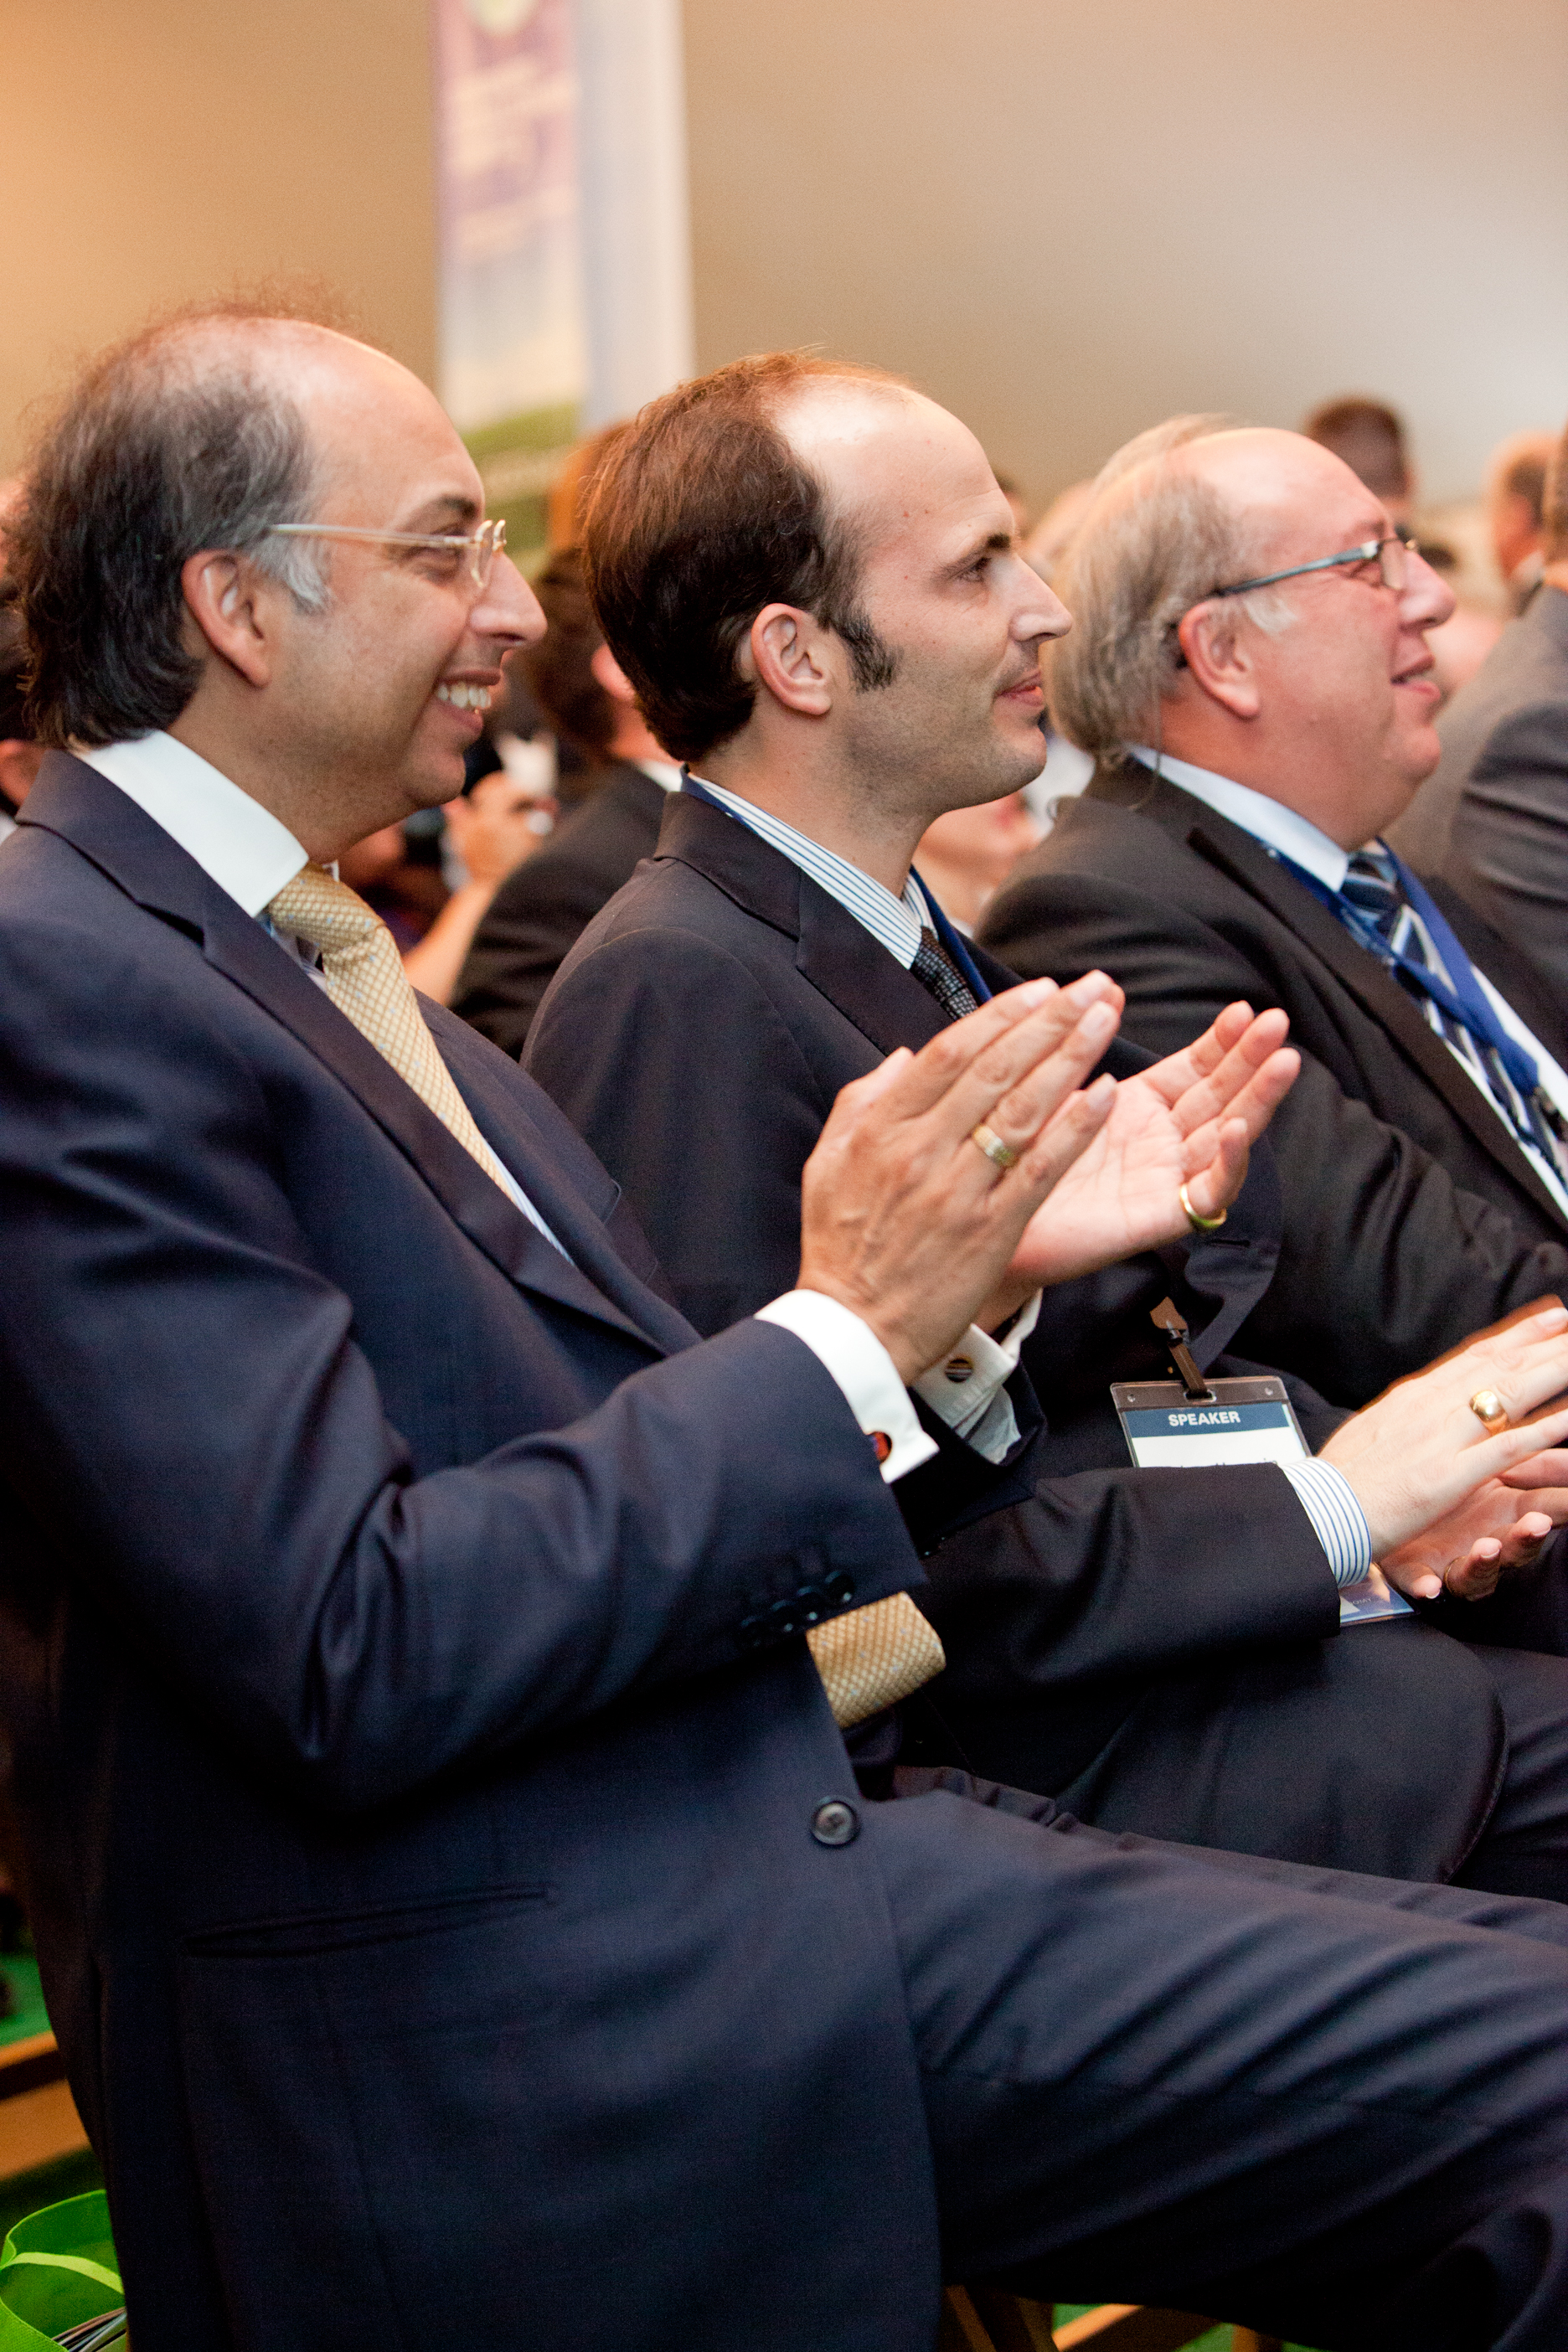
x: 1158, y: 540
x: 181, y: 440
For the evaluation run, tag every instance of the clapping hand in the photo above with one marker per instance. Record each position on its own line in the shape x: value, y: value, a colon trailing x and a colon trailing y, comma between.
x: 927, y: 1170
x: 1190, y: 1119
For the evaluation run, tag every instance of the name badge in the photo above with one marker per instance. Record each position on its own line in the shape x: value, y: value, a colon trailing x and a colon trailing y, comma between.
x: 1239, y: 1420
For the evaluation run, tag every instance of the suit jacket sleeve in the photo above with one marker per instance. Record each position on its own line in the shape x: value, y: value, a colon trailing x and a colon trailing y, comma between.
x: 186, y: 1400
x: 1359, y: 1192
x: 528, y: 927
x: 1509, y: 848
x: 1108, y: 1579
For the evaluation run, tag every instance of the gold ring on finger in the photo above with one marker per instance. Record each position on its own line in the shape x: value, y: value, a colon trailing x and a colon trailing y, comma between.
x: 1199, y: 1225
x: 1490, y: 1411
x: 1000, y: 1154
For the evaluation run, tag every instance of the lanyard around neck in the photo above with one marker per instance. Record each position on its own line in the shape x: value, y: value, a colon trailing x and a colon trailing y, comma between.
x: 1465, y: 1001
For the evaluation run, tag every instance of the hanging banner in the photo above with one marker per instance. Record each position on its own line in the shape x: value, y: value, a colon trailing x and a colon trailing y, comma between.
x: 513, y: 345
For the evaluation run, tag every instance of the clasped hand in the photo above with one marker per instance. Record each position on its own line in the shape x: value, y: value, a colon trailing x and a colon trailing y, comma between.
x: 1442, y: 1499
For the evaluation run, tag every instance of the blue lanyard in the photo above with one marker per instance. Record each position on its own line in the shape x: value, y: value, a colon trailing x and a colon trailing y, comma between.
x: 955, y: 946
x: 1466, y: 1001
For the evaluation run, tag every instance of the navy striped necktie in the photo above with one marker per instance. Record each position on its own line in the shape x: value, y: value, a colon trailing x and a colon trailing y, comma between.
x: 1372, y: 888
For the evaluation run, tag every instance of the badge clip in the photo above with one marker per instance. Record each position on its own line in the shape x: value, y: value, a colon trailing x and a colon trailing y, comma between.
x: 1166, y: 1319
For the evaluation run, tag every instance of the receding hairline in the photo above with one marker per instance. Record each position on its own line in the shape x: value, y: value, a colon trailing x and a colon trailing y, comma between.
x: 1203, y: 459
x: 850, y: 509
x: 208, y: 345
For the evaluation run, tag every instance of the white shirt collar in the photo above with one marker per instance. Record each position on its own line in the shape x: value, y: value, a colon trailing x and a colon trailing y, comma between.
x: 240, y: 845
x: 664, y: 773
x: 1279, y: 828
x: 896, y: 922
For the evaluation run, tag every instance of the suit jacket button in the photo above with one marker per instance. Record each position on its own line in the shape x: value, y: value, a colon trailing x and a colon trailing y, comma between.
x: 835, y: 1823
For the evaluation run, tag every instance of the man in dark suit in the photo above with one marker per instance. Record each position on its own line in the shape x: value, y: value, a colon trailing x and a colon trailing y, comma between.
x: 452, y: 1890
x: 1251, y: 743
x: 1137, y: 1639
x: 1493, y: 818
x: 537, y: 914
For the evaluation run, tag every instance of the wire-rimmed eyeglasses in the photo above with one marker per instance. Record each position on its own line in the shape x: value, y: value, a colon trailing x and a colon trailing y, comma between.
x: 1387, y: 553
x: 481, y: 546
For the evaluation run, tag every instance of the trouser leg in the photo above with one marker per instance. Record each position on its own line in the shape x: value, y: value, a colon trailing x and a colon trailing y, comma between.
x: 1153, y: 2079
x: 1523, y: 1849
x: 1384, y: 1751
x: 1542, y: 1920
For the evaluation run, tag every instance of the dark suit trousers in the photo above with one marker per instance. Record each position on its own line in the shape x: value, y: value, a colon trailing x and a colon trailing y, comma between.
x: 1189, y: 1761
x: 1333, y: 2110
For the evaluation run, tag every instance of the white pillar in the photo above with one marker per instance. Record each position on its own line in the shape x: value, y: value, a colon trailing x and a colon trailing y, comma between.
x: 635, y: 227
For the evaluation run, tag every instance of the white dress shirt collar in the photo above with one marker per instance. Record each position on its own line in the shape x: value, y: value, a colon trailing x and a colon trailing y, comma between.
x: 1279, y: 828
x: 896, y: 922
x: 240, y: 845
x: 663, y: 772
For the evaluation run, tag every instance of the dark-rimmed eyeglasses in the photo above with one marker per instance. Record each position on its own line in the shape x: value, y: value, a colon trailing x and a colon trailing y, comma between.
x: 1387, y: 553
x: 481, y: 546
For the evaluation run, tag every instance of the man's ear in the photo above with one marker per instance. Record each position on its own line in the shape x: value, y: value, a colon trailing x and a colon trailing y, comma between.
x: 19, y: 765
x: 221, y: 592
x: 787, y: 653
x: 1219, y: 654
x: 609, y: 674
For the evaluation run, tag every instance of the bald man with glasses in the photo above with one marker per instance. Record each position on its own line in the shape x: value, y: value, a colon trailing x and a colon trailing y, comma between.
x: 1249, y: 666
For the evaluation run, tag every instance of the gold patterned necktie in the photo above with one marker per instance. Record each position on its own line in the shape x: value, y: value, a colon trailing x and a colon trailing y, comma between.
x: 867, y: 1658
x: 365, y: 979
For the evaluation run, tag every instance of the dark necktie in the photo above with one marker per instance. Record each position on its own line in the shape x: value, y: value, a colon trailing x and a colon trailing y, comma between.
x: 935, y: 971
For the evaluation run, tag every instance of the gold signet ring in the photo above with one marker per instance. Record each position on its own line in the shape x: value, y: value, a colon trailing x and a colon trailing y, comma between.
x: 1200, y: 1225
x: 1000, y: 1154
x: 1489, y: 1410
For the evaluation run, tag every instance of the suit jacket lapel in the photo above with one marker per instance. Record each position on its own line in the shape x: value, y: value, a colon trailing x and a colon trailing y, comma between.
x: 145, y: 862
x: 1247, y: 863
x: 834, y: 951
x: 577, y: 1206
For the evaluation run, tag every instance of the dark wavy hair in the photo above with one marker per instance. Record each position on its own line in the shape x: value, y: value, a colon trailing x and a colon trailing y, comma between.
x: 560, y: 666
x: 700, y: 516
x: 181, y: 438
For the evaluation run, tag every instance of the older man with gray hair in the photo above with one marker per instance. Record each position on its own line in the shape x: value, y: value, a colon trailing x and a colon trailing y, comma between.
x: 1249, y: 666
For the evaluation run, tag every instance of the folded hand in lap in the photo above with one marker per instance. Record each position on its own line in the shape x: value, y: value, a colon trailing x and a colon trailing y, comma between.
x: 1443, y: 1499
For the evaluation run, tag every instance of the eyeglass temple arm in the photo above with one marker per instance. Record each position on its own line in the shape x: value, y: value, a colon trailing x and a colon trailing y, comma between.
x: 1324, y: 563
x: 1365, y: 553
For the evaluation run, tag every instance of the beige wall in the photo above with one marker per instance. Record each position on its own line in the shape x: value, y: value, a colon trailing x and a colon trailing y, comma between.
x: 1065, y: 217
x: 155, y: 150
x: 1069, y: 217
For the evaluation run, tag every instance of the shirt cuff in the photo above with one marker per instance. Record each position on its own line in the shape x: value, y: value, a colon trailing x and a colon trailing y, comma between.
x: 1338, y: 1520
x: 968, y: 1389
x: 850, y: 1351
